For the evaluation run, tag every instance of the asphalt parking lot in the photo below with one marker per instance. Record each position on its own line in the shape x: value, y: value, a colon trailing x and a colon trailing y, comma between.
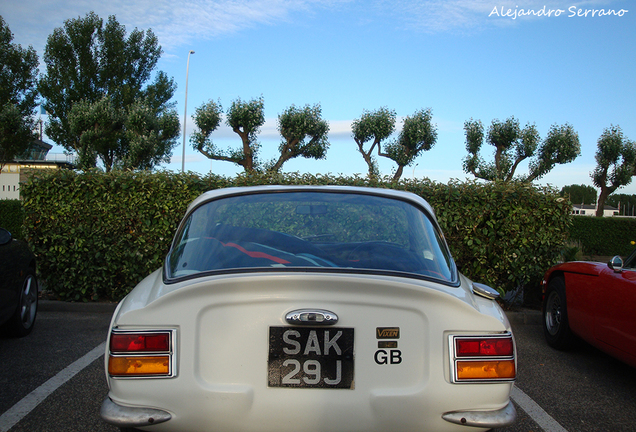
x: 53, y: 380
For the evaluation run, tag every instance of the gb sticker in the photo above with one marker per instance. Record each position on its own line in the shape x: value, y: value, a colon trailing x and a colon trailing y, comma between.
x: 387, y: 352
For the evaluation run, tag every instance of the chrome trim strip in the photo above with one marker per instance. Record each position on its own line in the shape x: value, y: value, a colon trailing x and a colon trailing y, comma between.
x: 311, y: 317
x: 173, y: 372
x: 318, y: 270
x: 454, y: 358
x: 485, y: 291
x: 123, y: 416
x: 485, y: 419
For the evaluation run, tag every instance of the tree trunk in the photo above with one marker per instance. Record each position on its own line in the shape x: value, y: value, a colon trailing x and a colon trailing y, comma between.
x: 398, y: 173
x: 600, y: 204
x: 248, y: 161
x: 373, y: 170
x: 285, y: 154
x: 284, y: 157
x: 370, y: 163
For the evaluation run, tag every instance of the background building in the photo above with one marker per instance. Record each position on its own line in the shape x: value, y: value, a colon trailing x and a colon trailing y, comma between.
x: 590, y: 210
x: 36, y: 157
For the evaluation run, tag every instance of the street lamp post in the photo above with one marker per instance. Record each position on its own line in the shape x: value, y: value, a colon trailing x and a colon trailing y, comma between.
x: 185, y: 113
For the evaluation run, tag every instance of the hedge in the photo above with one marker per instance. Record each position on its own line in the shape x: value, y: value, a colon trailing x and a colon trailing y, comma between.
x: 11, y: 217
x: 502, y: 234
x: 604, y: 236
x: 96, y: 235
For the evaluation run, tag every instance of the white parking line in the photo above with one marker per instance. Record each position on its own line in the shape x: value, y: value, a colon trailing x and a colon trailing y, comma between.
x: 18, y: 411
x: 542, y: 418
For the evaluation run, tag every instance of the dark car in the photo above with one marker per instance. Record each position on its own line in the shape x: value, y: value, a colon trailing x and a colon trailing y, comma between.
x: 18, y: 286
x: 594, y: 301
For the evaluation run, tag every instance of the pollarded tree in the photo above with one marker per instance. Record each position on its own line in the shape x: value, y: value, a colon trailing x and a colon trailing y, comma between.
x: 18, y: 95
x: 418, y: 134
x: 616, y: 164
x: 207, y: 118
x: 513, y: 145
x: 88, y: 61
x: 560, y: 146
x: 304, y: 133
x: 245, y: 118
x: 373, y: 125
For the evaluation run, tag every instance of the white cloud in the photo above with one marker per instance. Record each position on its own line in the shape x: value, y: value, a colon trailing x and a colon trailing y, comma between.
x: 178, y: 23
x: 175, y: 23
x: 339, y: 129
x: 441, y: 16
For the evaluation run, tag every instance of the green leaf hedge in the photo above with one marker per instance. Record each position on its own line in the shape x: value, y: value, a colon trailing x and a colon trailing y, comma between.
x: 11, y: 217
x: 502, y: 234
x: 96, y: 235
x: 604, y: 236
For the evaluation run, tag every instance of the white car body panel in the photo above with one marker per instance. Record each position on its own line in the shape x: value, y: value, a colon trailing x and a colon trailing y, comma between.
x: 221, y: 325
x: 219, y: 378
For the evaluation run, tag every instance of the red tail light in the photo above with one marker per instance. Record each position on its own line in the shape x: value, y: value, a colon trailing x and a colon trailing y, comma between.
x: 500, y: 347
x: 139, y: 342
x: 135, y: 354
x: 483, y: 358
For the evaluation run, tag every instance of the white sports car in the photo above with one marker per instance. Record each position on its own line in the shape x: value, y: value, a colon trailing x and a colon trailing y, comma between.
x: 309, y: 308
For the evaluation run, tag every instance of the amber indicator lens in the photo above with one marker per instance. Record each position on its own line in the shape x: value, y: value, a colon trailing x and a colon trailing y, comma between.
x: 485, y: 370
x: 139, y: 366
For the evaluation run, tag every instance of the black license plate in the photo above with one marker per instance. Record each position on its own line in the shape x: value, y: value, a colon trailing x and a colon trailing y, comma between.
x: 311, y: 357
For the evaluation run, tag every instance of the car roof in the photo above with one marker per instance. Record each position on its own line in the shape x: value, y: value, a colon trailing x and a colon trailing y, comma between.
x: 247, y: 190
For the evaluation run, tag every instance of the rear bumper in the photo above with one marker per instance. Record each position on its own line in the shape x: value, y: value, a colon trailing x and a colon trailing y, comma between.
x: 485, y: 419
x: 123, y: 416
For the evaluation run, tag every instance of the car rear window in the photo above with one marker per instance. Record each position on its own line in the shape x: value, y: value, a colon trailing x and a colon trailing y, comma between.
x: 299, y: 230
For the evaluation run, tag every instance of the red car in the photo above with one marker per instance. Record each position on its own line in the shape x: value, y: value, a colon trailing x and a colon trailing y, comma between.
x: 595, y: 302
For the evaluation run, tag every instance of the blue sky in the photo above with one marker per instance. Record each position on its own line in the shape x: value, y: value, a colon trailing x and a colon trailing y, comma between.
x: 461, y: 58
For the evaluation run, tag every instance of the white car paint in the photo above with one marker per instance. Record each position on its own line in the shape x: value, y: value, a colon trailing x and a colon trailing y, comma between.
x: 221, y: 345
